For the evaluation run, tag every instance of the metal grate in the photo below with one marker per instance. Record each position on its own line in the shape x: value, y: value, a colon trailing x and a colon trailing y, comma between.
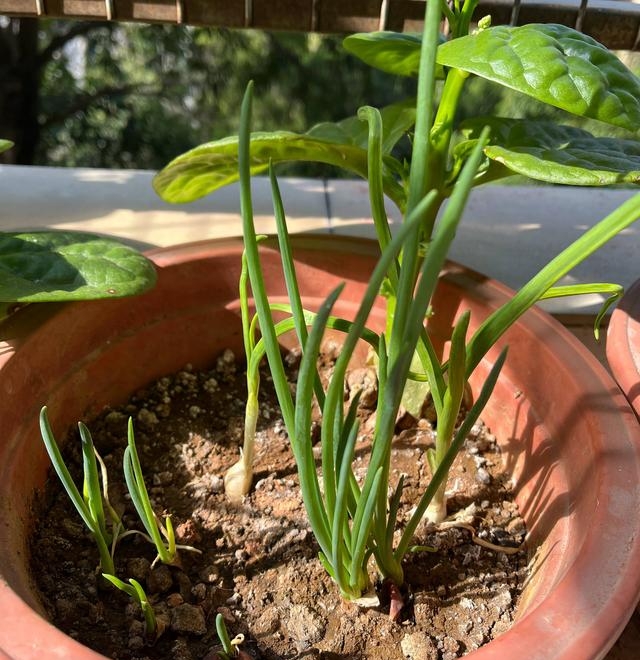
x: 615, y: 23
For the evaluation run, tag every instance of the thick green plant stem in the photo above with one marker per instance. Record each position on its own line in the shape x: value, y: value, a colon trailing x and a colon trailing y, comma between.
x: 419, y: 175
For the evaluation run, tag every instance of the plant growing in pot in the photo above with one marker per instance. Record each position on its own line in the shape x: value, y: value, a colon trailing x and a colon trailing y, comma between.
x: 352, y: 521
x: 551, y: 63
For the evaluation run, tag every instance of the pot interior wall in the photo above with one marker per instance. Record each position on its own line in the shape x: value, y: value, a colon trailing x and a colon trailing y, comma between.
x: 78, y: 358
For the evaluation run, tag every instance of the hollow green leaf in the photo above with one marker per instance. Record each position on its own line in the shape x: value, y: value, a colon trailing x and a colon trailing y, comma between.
x: 5, y: 144
x: 613, y: 292
x: 223, y: 636
x: 586, y: 244
x: 120, y: 584
x: 392, y: 52
x: 211, y: 166
x: 559, y: 154
x: 51, y: 445
x: 554, y: 64
x: 92, y: 493
x: 56, y: 266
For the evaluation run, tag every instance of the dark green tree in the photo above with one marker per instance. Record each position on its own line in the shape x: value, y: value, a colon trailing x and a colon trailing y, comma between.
x: 134, y: 96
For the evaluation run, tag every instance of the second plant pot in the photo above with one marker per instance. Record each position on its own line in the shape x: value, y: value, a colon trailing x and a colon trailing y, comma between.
x: 623, y: 345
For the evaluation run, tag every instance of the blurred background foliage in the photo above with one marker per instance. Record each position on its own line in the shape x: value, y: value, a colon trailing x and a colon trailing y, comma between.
x: 117, y: 95
x: 135, y: 96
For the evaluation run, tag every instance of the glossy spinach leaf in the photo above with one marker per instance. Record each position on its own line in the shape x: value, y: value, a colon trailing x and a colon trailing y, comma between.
x: 214, y: 165
x: 558, y: 154
x: 397, y: 120
x: 5, y: 144
x: 392, y: 52
x: 56, y: 266
x: 554, y: 64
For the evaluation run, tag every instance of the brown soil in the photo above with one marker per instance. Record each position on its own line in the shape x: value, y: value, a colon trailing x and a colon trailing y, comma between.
x: 259, y: 564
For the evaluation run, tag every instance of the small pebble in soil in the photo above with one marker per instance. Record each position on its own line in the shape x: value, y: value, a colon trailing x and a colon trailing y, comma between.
x: 189, y: 619
x: 305, y: 626
x: 209, y: 574
x: 180, y: 650
x: 516, y: 527
x: 199, y: 591
x: 138, y: 568
x: 210, y: 385
x: 450, y: 648
x: 416, y: 646
x: 159, y: 579
x: 146, y: 418
x: 267, y: 623
x: 173, y: 600
x: 115, y: 420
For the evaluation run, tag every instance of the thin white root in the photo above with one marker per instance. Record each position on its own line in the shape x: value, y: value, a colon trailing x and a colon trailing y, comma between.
x: 507, y: 549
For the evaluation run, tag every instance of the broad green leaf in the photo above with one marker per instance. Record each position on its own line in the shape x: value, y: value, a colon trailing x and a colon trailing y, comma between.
x: 397, y: 119
x: 211, y: 166
x: 559, y: 154
x: 5, y: 144
x: 55, y: 266
x: 554, y: 64
x: 392, y: 52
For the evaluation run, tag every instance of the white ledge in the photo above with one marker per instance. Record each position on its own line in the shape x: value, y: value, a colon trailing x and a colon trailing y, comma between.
x: 508, y: 232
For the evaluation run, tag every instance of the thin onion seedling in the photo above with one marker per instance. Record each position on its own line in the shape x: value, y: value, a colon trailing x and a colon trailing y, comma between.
x: 137, y: 593
x: 91, y: 504
x: 230, y: 647
x: 161, y: 535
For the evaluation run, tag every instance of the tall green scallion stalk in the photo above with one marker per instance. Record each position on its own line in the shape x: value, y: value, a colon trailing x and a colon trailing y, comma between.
x: 352, y: 522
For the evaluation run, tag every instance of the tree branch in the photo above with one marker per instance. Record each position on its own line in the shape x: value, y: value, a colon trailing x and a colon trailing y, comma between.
x: 60, y: 40
x: 84, y: 101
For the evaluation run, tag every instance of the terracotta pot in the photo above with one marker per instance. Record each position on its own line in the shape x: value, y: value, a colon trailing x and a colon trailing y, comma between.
x: 623, y: 345
x: 567, y: 434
